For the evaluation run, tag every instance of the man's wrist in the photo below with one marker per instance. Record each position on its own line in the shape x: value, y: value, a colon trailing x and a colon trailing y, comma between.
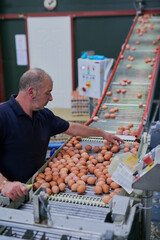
x: 2, y: 184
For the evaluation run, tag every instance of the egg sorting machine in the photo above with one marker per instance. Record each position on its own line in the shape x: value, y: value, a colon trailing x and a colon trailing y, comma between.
x: 72, y: 216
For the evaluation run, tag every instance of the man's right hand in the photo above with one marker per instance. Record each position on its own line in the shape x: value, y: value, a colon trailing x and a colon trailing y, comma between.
x: 14, y: 190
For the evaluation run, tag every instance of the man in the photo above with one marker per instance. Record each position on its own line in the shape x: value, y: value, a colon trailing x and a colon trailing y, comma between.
x: 25, y: 130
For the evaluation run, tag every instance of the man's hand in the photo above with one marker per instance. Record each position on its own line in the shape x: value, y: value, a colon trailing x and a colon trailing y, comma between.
x: 14, y: 190
x: 112, y: 138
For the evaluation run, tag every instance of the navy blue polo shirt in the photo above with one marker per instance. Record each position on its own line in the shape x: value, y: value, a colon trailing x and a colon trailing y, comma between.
x: 24, y: 140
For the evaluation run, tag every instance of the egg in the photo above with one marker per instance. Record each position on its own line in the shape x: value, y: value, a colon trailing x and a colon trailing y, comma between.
x: 119, y: 132
x: 127, y: 145
x: 107, y: 115
x: 81, y: 188
x: 96, y: 149
x: 128, y: 66
x: 114, y: 185
x: 112, y: 115
x: 126, y: 149
x: 98, y: 189
x: 42, y: 175
x: 115, y: 149
x: 137, y: 42
x: 106, y: 199
x: 123, y: 91
x: 48, y: 191
x: 139, y: 95
x: 91, y: 180
x: 78, y: 146
x: 46, y: 185
x: 88, y: 147
x: 48, y: 178
x: 118, y: 90
x: 55, y: 189
x: 127, y: 46
x: 95, y: 118
x: 109, y: 93
x: 121, y: 57
x: 104, y: 107
x: 105, y: 188
x: 140, y: 105
x: 62, y: 187
x: 36, y: 185
x: 115, y: 99
x: 126, y: 132
x: 109, y: 180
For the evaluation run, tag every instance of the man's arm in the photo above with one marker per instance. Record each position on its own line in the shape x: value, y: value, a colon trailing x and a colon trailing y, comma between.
x: 13, y: 190
x: 87, y: 131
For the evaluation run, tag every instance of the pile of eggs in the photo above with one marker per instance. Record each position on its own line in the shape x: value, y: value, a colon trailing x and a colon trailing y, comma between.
x: 77, y: 168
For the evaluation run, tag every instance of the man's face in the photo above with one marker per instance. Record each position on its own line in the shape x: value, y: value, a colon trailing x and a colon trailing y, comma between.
x: 43, y: 95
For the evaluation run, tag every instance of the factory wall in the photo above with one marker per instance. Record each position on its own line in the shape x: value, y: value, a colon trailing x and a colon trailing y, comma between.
x: 103, y: 34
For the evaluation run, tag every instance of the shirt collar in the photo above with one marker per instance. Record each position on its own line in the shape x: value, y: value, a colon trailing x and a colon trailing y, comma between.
x: 16, y: 107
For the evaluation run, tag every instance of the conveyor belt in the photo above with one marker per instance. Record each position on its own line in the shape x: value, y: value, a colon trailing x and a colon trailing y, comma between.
x: 138, y: 74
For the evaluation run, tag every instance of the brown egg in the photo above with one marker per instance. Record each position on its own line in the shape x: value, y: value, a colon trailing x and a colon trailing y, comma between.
x: 106, y: 199
x: 149, y: 76
x: 105, y: 188
x: 48, y: 190
x: 48, y: 178
x: 137, y: 42
x: 118, y: 90
x: 74, y: 187
x: 115, y: 99
x: 62, y: 186
x: 119, y: 132
x: 134, y: 151
x: 55, y: 189
x: 133, y: 133
x: 140, y: 105
x: 36, y: 185
x: 53, y: 183
x: 91, y: 180
x: 128, y: 66
x: 112, y: 115
x: 42, y: 175
x: 112, y: 110
x: 107, y: 156
x: 88, y: 147
x: 123, y: 91
x: 104, y: 107
x: 81, y: 188
x: 107, y: 115
x: 115, y: 148
x: 109, y: 180
x: 96, y: 149
x: 139, y: 95
x: 130, y: 125
x: 78, y: 146
x: 127, y: 46
x: 114, y: 185
x: 109, y: 93
x: 126, y: 149
x: 100, y: 159
x: 98, y: 189
x: 127, y: 145
x: 121, y: 57
x: 71, y: 182
x: 46, y: 184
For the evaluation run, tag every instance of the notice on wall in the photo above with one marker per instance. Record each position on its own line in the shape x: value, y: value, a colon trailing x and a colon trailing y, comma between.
x: 21, y: 49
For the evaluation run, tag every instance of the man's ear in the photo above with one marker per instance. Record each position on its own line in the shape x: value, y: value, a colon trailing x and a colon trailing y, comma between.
x: 32, y: 92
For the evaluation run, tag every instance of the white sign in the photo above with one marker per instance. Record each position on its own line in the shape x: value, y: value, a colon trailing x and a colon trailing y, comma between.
x: 21, y: 49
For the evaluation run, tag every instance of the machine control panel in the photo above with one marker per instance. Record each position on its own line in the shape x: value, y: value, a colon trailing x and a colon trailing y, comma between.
x: 91, y: 76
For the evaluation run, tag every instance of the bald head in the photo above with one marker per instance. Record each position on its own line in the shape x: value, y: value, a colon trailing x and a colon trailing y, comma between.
x: 33, y: 78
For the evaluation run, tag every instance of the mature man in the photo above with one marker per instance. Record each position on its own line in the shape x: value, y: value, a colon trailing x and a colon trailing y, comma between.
x: 25, y: 130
